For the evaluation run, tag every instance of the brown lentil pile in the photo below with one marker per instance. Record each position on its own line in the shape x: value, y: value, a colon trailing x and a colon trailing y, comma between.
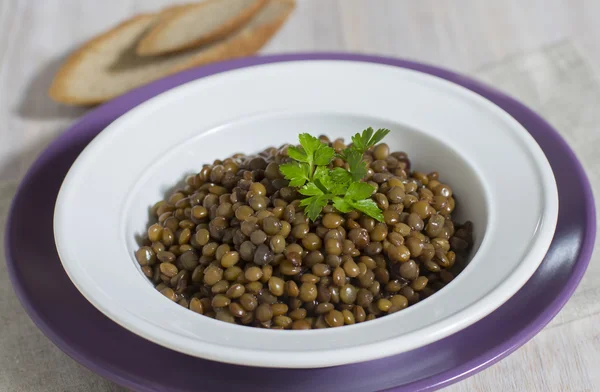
x: 235, y: 245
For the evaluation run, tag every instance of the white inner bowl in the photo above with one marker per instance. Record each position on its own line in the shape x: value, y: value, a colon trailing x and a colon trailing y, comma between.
x: 502, y: 181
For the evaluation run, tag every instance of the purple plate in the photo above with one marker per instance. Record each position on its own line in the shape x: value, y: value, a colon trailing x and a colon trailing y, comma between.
x: 93, y: 340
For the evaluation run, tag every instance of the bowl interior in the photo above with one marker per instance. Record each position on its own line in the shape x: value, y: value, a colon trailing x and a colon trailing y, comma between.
x: 427, y: 153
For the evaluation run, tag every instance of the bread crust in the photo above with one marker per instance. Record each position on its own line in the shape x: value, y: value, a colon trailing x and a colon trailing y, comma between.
x: 58, y: 88
x: 246, y: 43
x: 150, y: 46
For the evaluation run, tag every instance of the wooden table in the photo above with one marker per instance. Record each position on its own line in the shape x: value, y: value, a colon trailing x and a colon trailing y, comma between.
x: 464, y: 35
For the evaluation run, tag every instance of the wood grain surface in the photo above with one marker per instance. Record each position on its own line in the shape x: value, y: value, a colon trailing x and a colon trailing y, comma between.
x: 469, y: 36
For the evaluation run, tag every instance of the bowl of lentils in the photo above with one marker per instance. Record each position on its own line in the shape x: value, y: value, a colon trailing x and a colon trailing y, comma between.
x: 247, y: 219
x: 322, y: 234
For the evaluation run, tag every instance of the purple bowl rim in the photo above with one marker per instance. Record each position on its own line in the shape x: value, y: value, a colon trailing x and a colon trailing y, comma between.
x: 150, y: 90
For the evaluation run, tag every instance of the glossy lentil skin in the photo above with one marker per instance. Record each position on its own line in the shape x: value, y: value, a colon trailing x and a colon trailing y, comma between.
x: 234, y: 244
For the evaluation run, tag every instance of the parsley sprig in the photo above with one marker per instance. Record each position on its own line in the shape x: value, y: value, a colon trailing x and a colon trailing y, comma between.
x: 310, y: 172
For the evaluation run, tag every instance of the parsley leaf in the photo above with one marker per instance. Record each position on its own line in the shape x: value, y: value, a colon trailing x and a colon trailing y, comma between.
x: 356, y: 166
x: 368, y: 207
x: 310, y: 189
x: 298, y: 154
x: 362, y: 142
x: 314, y: 205
x: 323, y: 155
x: 310, y: 144
x: 321, y: 172
x: 359, y: 197
x: 296, y: 173
x: 342, y: 205
x: 331, y: 186
x: 359, y: 191
x: 379, y: 135
x: 321, y: 178
x: 341, y: 176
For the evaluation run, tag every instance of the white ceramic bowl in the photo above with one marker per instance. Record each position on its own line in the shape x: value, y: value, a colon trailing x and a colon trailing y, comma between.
x: 502, y: 181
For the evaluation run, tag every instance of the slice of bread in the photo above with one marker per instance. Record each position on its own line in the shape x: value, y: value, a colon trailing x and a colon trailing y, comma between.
x: 107, y: 66
x: 193, y: 25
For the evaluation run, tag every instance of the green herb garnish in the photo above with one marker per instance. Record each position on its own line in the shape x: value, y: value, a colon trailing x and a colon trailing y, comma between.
x: 321, y: 185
